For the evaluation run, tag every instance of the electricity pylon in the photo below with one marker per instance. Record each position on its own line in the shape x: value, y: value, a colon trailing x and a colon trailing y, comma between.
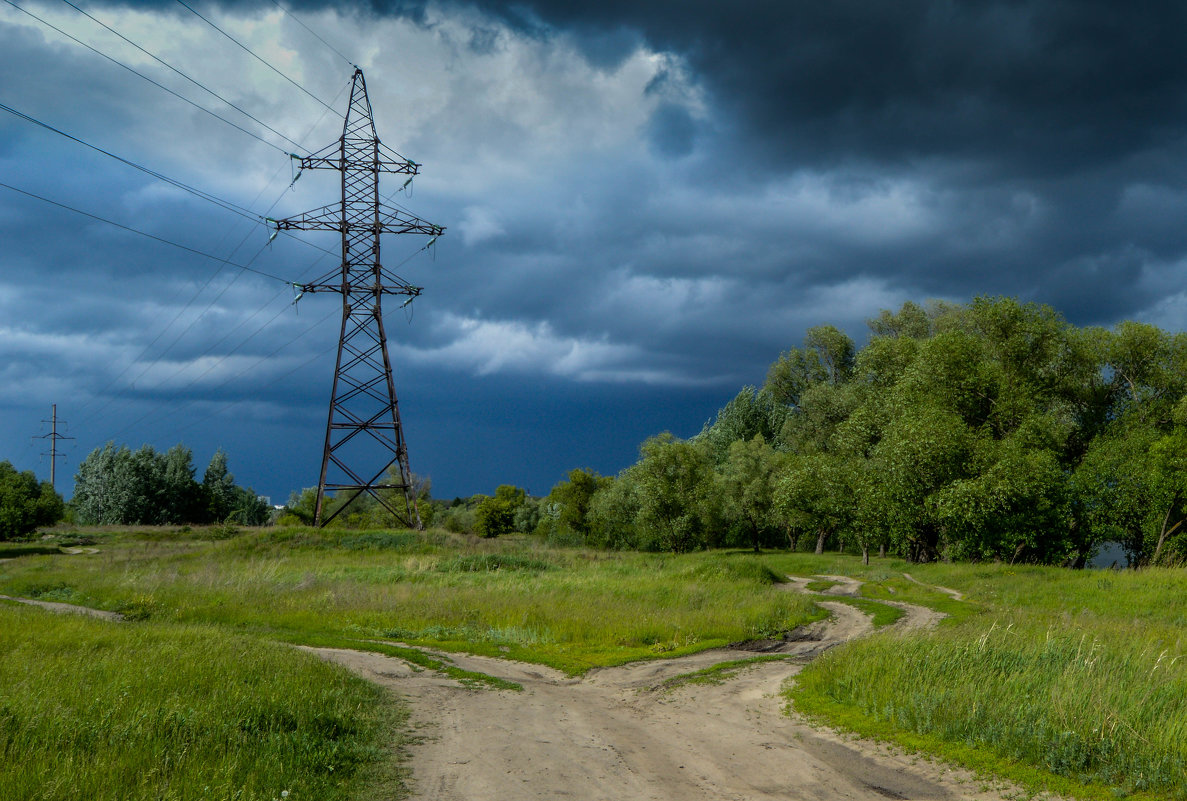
x: 364, y: 440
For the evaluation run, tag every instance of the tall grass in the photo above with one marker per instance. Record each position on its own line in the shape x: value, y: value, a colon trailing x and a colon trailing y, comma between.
x: 1070, y: 681
x: 95, y: 710
x: 567, y: 608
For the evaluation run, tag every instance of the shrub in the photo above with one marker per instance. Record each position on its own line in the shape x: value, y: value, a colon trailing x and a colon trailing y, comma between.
x: 495, y: 516
x: 25, y: 504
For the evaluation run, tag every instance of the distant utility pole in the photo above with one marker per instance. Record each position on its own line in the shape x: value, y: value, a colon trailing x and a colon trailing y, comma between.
x: 364, y: 439
x: 53, y: 436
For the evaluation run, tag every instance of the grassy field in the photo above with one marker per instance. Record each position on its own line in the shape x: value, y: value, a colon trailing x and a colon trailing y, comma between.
x: 193, y: 697
x: 1071, y: 681
x: 569, y: 609
x: 95, y: 710
x: 1068, y: 681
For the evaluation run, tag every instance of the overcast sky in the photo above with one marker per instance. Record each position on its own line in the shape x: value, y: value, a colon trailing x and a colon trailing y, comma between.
x: 645, y: 203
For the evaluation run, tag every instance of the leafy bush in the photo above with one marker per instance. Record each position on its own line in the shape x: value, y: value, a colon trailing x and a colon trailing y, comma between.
x: 25, y: 504
x: 495, y: 516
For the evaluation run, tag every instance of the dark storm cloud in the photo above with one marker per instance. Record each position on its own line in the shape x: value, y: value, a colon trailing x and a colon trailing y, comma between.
x: 1038, y: 87
x: 1047, y: 86
x: 1050, y: 133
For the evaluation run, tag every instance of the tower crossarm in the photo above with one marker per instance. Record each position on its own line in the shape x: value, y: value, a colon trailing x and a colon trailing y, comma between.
x: 355, y: 153
x: 334, y: 161
x: 389, y: 220
x: 361, y: 288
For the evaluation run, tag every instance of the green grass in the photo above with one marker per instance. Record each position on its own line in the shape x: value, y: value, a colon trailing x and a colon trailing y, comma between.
x: 1061, y: 680
x: 882, y: 614
x: 119, y: 712
x: 569, y: 609
x: 821, y: 585
x: 1072, y: 682
x: 719, y: 673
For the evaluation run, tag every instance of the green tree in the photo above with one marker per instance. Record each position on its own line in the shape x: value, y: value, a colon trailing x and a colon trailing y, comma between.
x: 495, y: 516
x: 25, y: 504
x: 218, y: 487
x: 747, y: 485
x: 564, y: 512
x: 614, y: 513
x: 676, y: 493
x: 923, y: 449
x: 1014, y: 507
x: 97, y: 493
x: 249, y: 508
x: 815, y: 493
x: 117, y: 486
x: 827, y: 356
x: 181, y: 495
x: 749, y: 414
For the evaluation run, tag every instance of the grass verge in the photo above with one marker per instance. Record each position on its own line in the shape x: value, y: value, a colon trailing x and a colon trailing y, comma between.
x: 1070, y: 682
x: 173, y: 713
x: 569, y: 609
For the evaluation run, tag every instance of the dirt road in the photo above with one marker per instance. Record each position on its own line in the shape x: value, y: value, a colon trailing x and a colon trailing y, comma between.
x: 617, y: 734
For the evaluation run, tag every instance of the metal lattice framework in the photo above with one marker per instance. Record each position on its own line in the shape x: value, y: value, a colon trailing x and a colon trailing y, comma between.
x: 364, y: 440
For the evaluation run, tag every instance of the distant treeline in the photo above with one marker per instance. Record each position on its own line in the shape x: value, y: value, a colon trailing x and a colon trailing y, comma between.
x: 119, y: 486
x: 993, y: 430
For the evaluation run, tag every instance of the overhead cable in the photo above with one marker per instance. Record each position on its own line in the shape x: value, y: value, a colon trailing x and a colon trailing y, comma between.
x: 220, y: 202
x: 196, y: 83
x: 159, y: 85
x: 145, y: 234
x: 251, y: 53
x: 297, y: 20
x: 226, y: 205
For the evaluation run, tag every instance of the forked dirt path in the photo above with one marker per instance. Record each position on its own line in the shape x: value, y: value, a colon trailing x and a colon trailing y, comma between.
x: 618, y: 735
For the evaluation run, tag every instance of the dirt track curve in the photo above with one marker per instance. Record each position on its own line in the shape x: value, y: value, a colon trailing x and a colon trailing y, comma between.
x: 618, y: 735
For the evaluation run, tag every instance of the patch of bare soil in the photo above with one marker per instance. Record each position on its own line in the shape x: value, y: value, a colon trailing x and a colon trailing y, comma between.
x: 616, y: 734
x: 54, y: 606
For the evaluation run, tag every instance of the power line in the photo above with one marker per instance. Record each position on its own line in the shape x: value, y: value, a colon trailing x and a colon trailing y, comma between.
x: 194, y: 322
x: 150, y: 80
x: 178, y: 338
x: 251, y: 53
x: 202, y: 288
x: 220, y: 202
x: 295, y: 19
x: 226, y: 205
x: 234, y: 377
x: 227, y: 406
x: 162, y: 240
x: 166, y: 64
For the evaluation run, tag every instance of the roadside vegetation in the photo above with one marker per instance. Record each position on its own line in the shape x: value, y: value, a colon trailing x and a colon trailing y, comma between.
x: 516, y: 597
x: 1070, y: 681
x: 165, y: 712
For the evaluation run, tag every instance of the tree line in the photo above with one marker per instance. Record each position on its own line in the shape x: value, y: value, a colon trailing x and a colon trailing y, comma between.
x: 119, y: 486
x: 993, y: 430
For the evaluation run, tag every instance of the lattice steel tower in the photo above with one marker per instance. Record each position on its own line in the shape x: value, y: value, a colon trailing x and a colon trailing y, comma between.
x: 364, y: 439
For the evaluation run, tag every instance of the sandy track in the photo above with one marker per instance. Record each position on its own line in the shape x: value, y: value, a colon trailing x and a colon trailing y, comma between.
x: 54, y: 606
x: 616, y: 734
